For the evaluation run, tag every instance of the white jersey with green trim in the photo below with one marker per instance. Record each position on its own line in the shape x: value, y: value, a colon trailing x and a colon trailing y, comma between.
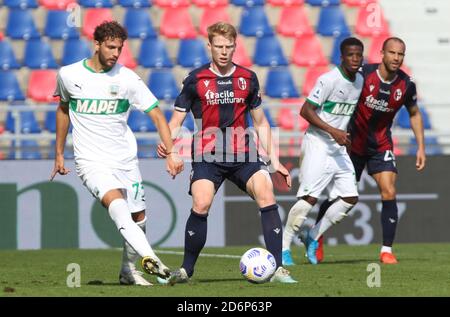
x: 335, y: 97
x: 99, y: 105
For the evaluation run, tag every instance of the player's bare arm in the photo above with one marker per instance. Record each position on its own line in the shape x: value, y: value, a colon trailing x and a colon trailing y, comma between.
x: 415, y: 118
x: 174, y: 164
x: 308, y: 112
x: 62, y: 127
x: 264, y: 133
x: 174, y: 125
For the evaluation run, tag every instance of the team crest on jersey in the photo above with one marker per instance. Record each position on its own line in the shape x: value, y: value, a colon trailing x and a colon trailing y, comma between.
x: 206, y: 82
x: 371, y: 88
x: 242, y: 83
x: 398, y: 94
x: 114, y: 90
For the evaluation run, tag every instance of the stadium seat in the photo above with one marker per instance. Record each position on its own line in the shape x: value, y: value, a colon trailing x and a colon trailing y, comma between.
x: 332, y: 22
x: 177, y: 23
x: 335, y: 57
x: 28, y: 122
x: 172, y: 3
x: 371, y: 21
x: 68, y: 151
x: 268, y: 52
x: 153, y: 53
x: 138, y: 24
x: 140, y: 122
x: 41, y: 86
x: 27, y: 150
x: 308, y: 52
x: 21, y: 25
x: 56, y: 26
x: 192, y: 53
x: 7, y: 58
x: 135, y: 3
x: 311, y: 76
x: 147, y: 148
x: 57, y: 4
x: 296, y: 105
x: 240, y: 54
x: 294, y: 22
x: 212, y: 15
x: 268, y: 116
x: 126, y: 58
x: 432, y: 146
x: 376, y: 45
x: 285, y: 3
x: 254, y: 22
x: 94, y: 17
x: 357, y: 3
x: 210, y: 3
x: 21, y: 4
x: 280, y: 84
x: 286, y: 118
x: 188, y: 123
x: 247, y: 3
x: 163, y: 85
x: 323, y: 3
x: 403, y: 119
x: 38, y: 55
x: 75, y: 50
x: 50, y: 121
x: 96, y: 3
x: 9, y: 87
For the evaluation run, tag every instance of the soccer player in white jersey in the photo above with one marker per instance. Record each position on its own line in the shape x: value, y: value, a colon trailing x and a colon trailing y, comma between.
x: 328, y: 109
x: 96, y: 95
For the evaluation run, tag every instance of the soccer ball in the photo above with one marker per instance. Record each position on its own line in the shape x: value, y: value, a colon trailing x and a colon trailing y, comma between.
x: 257, y: 265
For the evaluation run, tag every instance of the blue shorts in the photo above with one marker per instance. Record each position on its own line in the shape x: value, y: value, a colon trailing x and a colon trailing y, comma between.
x: 238, y: 173
x: 379, y: 162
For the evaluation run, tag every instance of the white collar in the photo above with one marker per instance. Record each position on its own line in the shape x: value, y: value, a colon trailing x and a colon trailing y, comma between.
x: 227, y: 74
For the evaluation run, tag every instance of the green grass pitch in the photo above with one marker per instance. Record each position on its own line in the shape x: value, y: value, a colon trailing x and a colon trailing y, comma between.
x: 423, y: 271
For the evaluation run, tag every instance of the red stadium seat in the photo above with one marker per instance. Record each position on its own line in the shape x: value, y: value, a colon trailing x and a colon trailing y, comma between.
x: 294, y: 22
x: 94, y: 17
x: 371, y: 21
x: 241, y: 56
x: 41, y: 85
x: 285, y: 3
x: 375, y: 47
x: 210, y: 3
x: 126, y: 58
x: 308, y: 52
x: 212, y: 15
x: 357, y: 3
x: 56, y: 4
x: 285, y: 119
x: 172, y: 3
x: 311, y: 76
x: 295, y: 104
x: 177, y: 23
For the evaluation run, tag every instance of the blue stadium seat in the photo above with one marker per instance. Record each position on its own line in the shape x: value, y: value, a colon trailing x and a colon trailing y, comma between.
x: 147, y: 148
x: 432, y: 146
x: 254, y: 22
x: 268, y: 116
x: 323, y: 3
x: 153, y: 53
x: 9, y: 87
x: 96, y: 3
x: 335, y: 57
x: 247, y: 3
x: 38, y: 55
x: 29, y: 150
x: 332, y: 22
x: 192, y: 53
x: 140, y: 122
x: 21, y: 4
x: 28, y: 122
x: 268, y: 52
x: 75, y: 50
x: 138, y: 24
x: 68, y: 151
x: 56, y: 26
x: 7, y: 58
x: 403, y: 118
x: 21, y: 25
x: 50, y: 121
x: 163, y: 85
x: 189, y: 122
x: 280, y: 84
x: 135, y: 3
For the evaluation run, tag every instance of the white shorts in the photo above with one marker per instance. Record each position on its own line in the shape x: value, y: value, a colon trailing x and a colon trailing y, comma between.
x: 319, y: 169
x: 100, y: 180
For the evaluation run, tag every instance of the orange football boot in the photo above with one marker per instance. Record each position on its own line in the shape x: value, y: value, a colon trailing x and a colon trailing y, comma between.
x: 388, y: 258
x: 319, y: 252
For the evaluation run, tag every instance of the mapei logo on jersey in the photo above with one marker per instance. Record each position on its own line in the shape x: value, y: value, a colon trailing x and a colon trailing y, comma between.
x: 398, y: 94
x: 99, y: 106
x: 379, y: 105
x: 242, y: 83
x: 345, y: 109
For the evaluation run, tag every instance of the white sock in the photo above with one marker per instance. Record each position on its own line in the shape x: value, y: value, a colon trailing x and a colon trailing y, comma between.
x: 129, y: 255
x: 335, y: 213
x: 386, y: 249
x: 120, y: 214
x: 296, y: 217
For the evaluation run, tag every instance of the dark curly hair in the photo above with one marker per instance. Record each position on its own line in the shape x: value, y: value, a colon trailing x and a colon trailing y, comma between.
x: 110, y: 30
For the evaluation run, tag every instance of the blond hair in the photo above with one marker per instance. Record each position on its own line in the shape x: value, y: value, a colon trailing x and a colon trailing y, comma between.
x: 222, y: 28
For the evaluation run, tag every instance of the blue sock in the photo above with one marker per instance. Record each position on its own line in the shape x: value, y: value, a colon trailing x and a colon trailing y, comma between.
x: 272, y: 231
x: 194, y: 240
x: 389, y: 219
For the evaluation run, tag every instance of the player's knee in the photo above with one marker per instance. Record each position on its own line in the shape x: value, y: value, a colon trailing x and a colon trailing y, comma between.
x: 388, y: 193
x: 201, y: 205
x: 310, y: 200
x: 351, y: 200
x: 138, y: 216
